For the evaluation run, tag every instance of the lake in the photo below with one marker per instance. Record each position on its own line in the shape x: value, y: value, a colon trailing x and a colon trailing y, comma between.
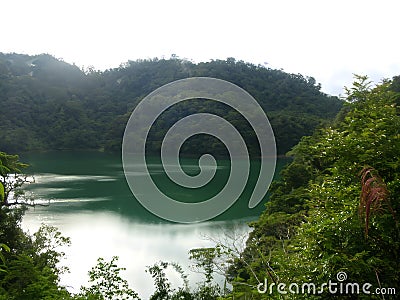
x: 91, y: 203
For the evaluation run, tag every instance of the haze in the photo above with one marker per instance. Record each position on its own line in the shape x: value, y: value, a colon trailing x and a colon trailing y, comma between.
x: 329, y: 40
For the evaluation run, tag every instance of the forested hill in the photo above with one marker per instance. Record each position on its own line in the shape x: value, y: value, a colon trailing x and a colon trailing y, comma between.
x: 46, y: 103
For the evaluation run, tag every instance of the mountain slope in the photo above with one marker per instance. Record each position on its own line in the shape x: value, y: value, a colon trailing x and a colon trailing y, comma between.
x: 49, y: 104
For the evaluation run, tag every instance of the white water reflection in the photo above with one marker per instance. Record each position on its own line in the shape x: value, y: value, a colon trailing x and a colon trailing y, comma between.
x: 104, y: 234
x: 91, y: 203
x: 44, y: 178
x: 54, y: 201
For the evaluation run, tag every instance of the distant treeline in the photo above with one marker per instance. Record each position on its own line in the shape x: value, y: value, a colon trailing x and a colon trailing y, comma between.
x: 48, y: 104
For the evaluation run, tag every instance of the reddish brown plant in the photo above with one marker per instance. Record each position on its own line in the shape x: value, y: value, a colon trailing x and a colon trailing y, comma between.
x: 373, y: 193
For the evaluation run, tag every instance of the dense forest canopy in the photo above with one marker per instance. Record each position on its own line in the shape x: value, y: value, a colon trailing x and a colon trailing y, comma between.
x: 49, y: 104
x: 335, y: 210
x: 336, y: 207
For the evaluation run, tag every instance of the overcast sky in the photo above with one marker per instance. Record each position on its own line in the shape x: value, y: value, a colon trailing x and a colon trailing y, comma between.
x: 329, y: 40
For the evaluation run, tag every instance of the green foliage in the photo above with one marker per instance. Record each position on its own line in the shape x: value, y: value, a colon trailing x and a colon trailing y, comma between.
x: 26, y: 279
x: 11, y: 179
x: 47, y: 242
x: 334, y: 209
x: 206, y: 290
x: 163, y: 289
x: 30, y: 265
x: 205, y: 260
x: 312, y: 227
x: 2, y: 193
x: 106, y: 283
x: 3, y: 247
x: 360, y: 89
x: 31, y: 262
x: 161, y: 283
x: 49, y: 104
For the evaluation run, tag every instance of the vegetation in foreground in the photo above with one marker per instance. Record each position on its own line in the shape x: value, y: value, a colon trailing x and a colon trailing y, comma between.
x: 335, y: 209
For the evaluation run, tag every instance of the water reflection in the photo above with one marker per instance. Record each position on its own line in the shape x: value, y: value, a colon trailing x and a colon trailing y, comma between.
x: 91, y: 203
x: 138, y: 244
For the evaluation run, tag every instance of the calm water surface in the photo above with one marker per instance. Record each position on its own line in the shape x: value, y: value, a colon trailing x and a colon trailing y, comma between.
x: 91, y: 203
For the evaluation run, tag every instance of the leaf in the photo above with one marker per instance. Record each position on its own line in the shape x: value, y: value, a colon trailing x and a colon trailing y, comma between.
x: 7, y: 249
x: 1, y: 192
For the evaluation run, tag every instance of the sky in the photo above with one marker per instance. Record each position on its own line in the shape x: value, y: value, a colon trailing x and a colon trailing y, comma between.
x: 328, y: 40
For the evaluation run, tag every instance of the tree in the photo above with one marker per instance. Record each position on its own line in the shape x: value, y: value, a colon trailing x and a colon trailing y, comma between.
x: 163, y: 288
x: 11, y: 180
x: 29, y: 264
x: 335, y: 207
x: 47, y: 104
x: 106, y: 283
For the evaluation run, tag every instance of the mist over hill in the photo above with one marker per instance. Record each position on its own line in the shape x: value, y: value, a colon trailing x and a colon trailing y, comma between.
x: 48, y: 104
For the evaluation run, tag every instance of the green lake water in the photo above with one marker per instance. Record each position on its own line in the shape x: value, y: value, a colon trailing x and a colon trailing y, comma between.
x: 91, y: 203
